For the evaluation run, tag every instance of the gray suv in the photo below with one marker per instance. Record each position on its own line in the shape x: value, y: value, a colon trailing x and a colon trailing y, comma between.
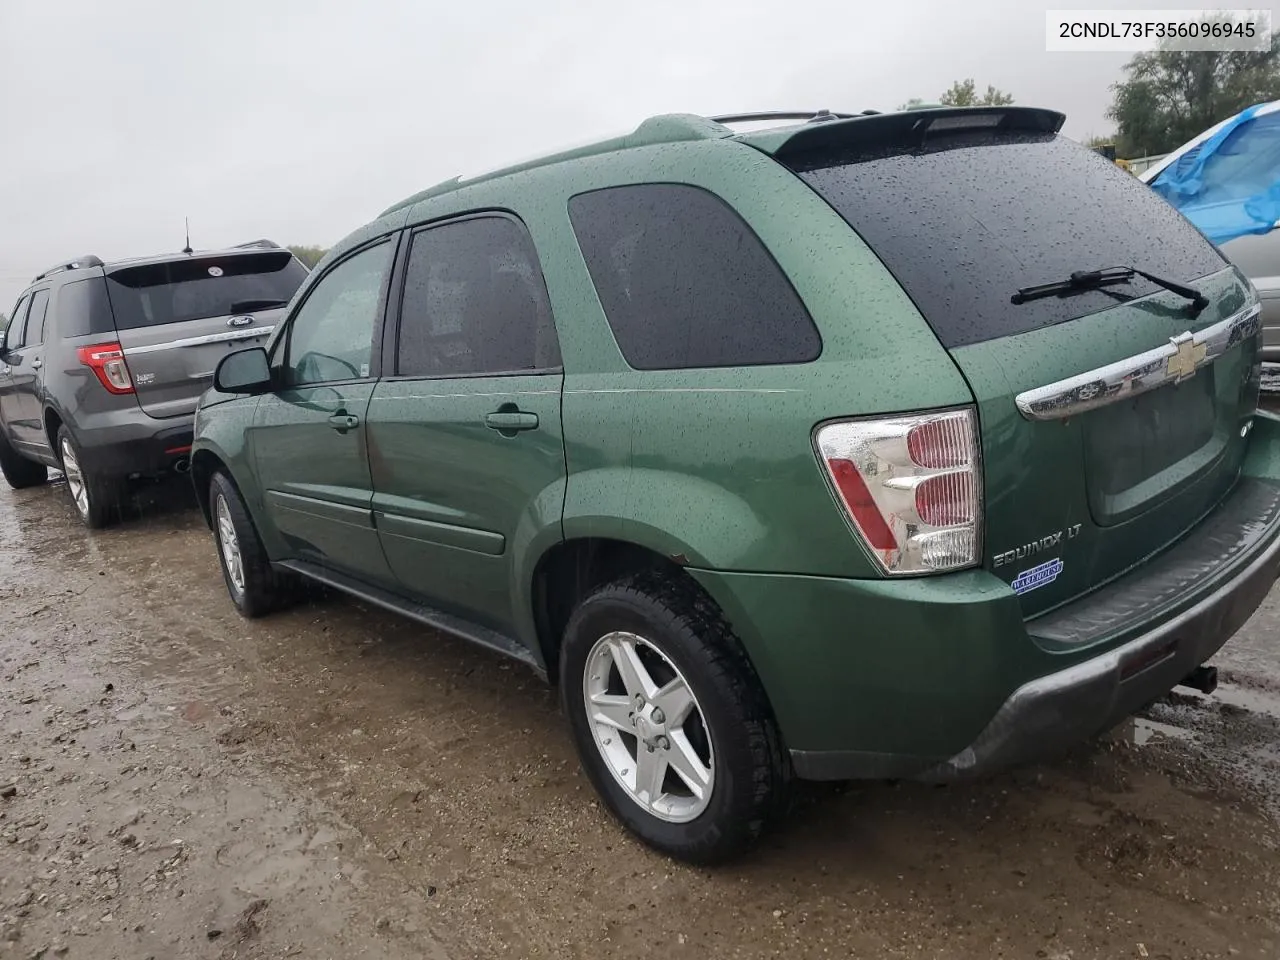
x: 102, y: 364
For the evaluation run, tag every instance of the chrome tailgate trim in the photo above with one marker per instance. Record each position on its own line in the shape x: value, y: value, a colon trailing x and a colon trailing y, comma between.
x: 1174, y: 362
x: 230, y: 335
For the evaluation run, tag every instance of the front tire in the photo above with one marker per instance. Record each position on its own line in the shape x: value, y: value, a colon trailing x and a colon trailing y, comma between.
x: 670, y: 720
x: 19, y: 472
x: 96, y: 498
x: 255, y: 587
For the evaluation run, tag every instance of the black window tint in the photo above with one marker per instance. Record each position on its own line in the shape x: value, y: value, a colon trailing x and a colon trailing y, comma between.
x: 84, y: 309
x: 685, y: 283
x: 331, y: 335
x: 967, y: 221
x: 35, y: 318
x: 179, y: 290
x: 13, y: 333
x: 475, y: 302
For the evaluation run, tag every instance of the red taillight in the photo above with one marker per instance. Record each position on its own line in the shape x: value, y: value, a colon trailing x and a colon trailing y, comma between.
x: 106, y: 360
x: 945, y: 500
x: 938, y: 444
x: 911, y: 484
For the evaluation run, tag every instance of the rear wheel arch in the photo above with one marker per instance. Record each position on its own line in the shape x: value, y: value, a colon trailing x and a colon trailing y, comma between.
x: 571, y: 570
x: 53, y: 422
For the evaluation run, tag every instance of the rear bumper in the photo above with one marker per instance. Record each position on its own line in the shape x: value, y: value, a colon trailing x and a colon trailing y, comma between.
x: 1062, y: 708
x: 942, y: 678
x: 135, y: 447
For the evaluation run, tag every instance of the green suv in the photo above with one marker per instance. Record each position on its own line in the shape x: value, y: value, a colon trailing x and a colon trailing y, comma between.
x: 877, y: 446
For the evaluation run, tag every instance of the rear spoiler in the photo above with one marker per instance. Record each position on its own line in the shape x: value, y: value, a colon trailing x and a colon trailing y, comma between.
x: 910, y: 128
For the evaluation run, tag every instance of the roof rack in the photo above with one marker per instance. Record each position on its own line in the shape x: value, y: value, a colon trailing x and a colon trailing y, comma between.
x: 257, y: 244
x: 80, y: 263
x: 808, y: 116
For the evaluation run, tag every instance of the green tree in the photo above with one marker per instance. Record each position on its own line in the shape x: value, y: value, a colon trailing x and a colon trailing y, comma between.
x: 964, y: 94
x: 911, y: 104
x: 308, y: 255
x: 1168, y: 96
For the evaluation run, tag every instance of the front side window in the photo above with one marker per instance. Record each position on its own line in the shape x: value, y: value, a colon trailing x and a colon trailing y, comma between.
x: 475, y: 303
x: 684, y: 282
x: 331, y: 335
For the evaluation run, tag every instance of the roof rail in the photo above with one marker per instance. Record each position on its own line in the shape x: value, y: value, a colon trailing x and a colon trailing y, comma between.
x: 254, y: 244
x: 80, y: 263
x: 809, y: 116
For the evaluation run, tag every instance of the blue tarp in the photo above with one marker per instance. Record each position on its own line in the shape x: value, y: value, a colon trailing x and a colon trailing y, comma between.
x: 1229, y: 185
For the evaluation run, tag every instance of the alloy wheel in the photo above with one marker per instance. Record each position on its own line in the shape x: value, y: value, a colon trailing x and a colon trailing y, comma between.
x: 229, y: 543
x: 75, y: 477
x: 648, y: 727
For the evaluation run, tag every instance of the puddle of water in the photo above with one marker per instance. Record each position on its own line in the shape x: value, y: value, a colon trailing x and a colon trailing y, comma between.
x: 1248, y: 698
x: 1142, y: 730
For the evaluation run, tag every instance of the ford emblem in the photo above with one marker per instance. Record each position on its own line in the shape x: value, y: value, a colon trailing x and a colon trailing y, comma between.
x: 239, y: 321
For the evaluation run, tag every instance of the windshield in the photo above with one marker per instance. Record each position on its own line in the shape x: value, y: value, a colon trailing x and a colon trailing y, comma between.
x: 965, y: 223
x: 181, y: 290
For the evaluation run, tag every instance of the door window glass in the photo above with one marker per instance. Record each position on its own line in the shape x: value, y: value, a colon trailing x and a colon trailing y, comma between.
x: 17, y: 323
x: 331, y: 335
x: 475, y: 303
x: 35, y: 318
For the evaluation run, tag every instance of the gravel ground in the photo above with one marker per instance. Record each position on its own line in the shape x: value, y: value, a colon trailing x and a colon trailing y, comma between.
x: 335, y: 782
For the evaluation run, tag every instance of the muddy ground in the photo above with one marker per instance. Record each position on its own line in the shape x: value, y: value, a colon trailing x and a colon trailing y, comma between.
x: 336, y: 782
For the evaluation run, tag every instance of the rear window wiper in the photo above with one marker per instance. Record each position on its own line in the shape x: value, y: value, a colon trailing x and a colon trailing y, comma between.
x: 246, y: 306
x: 1083, y: 280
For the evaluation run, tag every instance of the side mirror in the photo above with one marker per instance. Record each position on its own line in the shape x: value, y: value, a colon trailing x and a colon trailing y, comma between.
x: 245, y: 371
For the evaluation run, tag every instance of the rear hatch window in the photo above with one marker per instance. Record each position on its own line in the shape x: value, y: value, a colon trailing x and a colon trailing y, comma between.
x: 966, y: 220
x: 178, y: 291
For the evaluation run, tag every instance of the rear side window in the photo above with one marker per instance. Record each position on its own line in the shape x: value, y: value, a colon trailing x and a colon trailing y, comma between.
x: 83, y: 308
x: 684, y: 282
x: 35, y: 319
x: 965, y: 222
x: 475, y: 302
x: 180, y: 290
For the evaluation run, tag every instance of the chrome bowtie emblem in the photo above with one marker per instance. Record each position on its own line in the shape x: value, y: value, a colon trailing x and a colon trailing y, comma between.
x: 239, y: 321
x: 1187, y: 357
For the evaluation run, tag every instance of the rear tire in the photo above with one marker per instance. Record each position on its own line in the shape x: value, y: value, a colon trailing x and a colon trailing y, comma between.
x: 19, y: 472
x: 254, y: 585
x: 703, y: 737
x: 95, y: 497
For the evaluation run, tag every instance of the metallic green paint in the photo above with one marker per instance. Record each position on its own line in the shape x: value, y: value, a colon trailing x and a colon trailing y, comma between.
x: 716, y: 469
x: 457, y: 501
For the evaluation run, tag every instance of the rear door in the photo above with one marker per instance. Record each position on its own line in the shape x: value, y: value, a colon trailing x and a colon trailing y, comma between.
x: 9, y: 409
x: 465, y: 442
x: 28, y: 377
x: 176, y: 319
x: 1112, y: 419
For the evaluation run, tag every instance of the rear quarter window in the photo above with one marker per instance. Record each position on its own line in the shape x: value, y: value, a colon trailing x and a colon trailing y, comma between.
x: 684, y: 282
x: 965, y: 221
x: 82, y: 308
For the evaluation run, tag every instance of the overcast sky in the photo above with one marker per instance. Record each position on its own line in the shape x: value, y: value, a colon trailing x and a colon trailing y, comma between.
x: 299, y: 120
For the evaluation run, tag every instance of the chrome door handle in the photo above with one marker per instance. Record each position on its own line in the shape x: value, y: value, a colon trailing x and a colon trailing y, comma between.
x: 342, y: 422
x: 37, y: 364
x: 511, y: 421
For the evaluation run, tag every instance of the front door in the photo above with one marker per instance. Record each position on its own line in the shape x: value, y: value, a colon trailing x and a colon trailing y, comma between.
x: 465, y: 442
x: 309, y: 435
